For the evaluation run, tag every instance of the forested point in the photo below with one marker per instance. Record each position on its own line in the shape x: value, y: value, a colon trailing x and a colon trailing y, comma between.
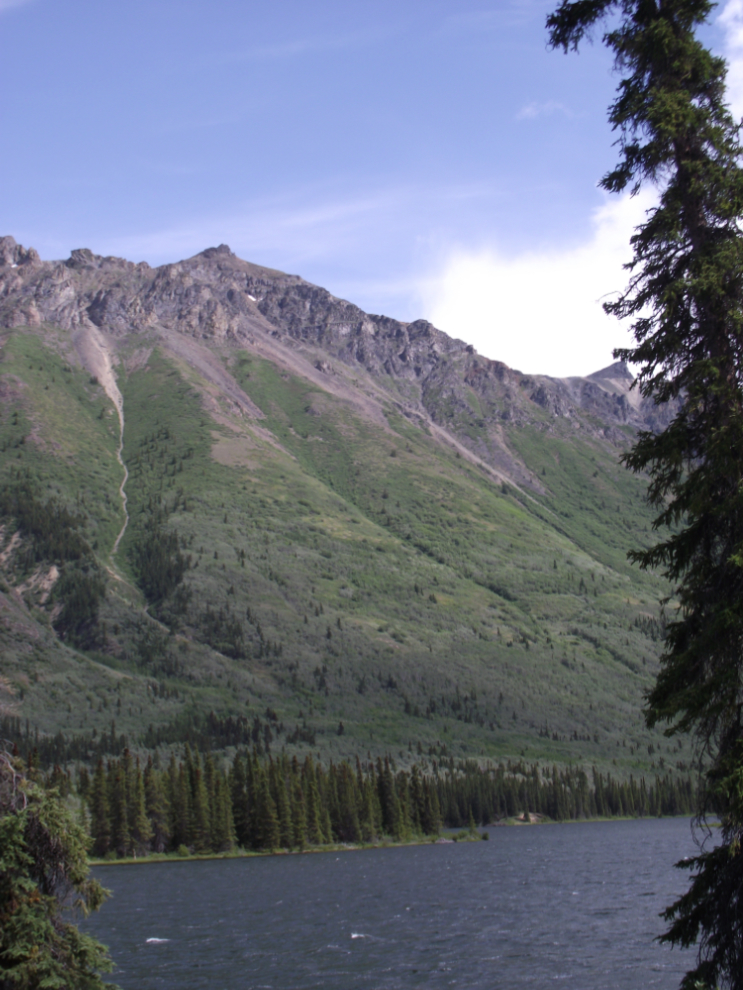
x: 200, y: 804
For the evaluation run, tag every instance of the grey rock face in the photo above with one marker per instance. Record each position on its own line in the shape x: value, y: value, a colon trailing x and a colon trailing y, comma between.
x: 216, y: 296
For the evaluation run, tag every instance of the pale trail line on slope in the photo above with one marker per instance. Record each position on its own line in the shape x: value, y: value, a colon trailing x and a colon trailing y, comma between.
x: 95, y: 353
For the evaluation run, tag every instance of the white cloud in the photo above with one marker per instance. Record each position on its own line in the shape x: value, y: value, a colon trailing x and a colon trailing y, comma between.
x: 532, y: 110
x: 540, y: 311
x: 731, y: 21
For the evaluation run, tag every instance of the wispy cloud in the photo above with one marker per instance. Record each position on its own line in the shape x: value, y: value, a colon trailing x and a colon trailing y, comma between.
x: 9, y: 4
x: 508, y: 12
x: 369, y: 247
x: 532, y: 110
x: 540, y: 311
x: 260, y: 228
x: 172, y: 167
x: 310, y: 222
x: 537, y: 310
x: 301, y: 46
x: 293, y: 48
x: 193, y: 122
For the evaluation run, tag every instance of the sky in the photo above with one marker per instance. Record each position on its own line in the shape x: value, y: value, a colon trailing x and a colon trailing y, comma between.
x: 423, y: 158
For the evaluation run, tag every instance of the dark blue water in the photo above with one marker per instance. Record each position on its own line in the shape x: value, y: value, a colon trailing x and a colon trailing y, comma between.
x: 564, y: 905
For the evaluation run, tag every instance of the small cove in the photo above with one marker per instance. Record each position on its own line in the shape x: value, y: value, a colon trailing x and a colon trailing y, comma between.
x: 574, y: 905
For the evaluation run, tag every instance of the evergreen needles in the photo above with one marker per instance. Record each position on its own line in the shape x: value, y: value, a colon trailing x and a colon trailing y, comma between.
x: 685, y: 296
x: 43, y: 880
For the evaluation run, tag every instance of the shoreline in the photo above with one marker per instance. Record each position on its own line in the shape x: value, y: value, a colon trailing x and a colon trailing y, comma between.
x: 308, y: 850
x: 445, y: 837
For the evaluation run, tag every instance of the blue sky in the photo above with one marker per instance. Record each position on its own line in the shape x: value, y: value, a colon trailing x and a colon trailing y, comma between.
x: 421, y: 158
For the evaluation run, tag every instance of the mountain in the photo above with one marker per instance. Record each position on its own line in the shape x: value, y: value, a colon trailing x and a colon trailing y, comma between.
x: 236, y: 507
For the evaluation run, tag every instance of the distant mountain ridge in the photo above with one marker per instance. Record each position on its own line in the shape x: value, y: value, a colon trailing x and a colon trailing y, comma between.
x: 355, y: 529
x: 215, y: 296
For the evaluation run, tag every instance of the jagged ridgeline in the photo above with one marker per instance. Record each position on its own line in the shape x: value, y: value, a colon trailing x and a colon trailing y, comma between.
x: 360, y: 526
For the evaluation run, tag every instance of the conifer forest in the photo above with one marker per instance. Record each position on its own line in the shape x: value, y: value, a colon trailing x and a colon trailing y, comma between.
x: 196, y: 804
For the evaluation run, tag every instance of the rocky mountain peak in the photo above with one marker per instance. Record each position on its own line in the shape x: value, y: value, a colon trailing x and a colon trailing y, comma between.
x: 213, y: 252
x: 219, y: 298
x: 617, y: 372
x: 13, y: 254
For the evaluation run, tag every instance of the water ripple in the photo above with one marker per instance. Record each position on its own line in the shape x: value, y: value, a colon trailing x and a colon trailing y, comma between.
x: 532, y: 908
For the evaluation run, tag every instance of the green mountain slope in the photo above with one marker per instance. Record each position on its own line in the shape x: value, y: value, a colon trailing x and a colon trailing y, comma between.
x: 345, y: 534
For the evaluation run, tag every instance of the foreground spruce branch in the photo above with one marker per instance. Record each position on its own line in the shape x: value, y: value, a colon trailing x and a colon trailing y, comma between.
x: 43, y: 882
x: 686, y: 297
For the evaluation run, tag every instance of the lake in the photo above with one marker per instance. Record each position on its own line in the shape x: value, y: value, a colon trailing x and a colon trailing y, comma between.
x: 572, y: 905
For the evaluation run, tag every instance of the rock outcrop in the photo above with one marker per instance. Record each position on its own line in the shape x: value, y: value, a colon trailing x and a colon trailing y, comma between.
x: 217, y: 297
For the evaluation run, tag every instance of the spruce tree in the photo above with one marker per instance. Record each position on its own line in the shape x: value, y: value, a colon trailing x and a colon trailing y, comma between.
x: 371, y: 813
x: 277, y: 786
x: 121, y: 840
x: 100, y: 820
x: 403, y: 792
x: 240, y: 808
x: 43, y: 882
x: 347, y: 826
x: 685, y: 296
x: 252, y: 780
x: 267, y: 834
x: 433, y: 817
x: 417, y: 801
x: 139, y: 824
x: 180, y: 806
x: 315, y: 835
x: 326, y: 828
x: 156, y: 805
x: 392, y: 823
x: 223, y: 826
x: 177, y: 804
x: 200, y: 812
x: 210, y: 784
x: 299, y: 815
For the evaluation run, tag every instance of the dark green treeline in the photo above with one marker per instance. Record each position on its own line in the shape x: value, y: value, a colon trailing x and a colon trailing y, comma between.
x: 196, y: 805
